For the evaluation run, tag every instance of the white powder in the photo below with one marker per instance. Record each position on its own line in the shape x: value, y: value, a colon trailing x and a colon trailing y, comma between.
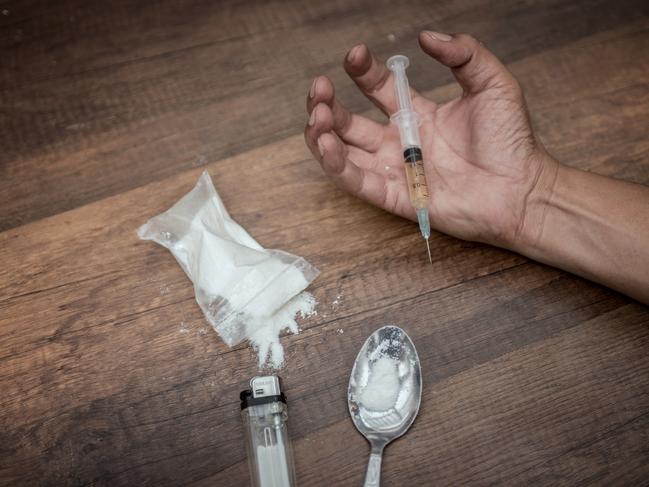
x: 244, y: 290
x: 265, y: 338
x: 382, y: 389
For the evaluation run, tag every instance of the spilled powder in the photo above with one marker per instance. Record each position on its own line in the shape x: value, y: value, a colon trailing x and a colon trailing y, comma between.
x: 265, y: 340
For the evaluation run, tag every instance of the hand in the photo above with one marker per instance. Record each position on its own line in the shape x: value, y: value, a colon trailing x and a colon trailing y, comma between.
x: 484, y: 166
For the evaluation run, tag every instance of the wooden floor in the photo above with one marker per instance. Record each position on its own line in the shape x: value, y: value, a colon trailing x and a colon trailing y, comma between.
x: 109, y: 374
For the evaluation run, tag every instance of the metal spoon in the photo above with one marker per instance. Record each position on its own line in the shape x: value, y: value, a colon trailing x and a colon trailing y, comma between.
x: 378, y: 418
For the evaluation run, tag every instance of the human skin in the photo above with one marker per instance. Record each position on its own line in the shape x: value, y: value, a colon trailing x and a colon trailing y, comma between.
x: 489, y: 177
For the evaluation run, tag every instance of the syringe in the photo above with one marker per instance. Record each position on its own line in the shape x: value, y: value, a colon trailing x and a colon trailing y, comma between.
x: 408, y: 122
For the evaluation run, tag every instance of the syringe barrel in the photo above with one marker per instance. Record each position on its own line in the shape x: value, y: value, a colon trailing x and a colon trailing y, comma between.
x: 408, y: 123
x: 406, y: 118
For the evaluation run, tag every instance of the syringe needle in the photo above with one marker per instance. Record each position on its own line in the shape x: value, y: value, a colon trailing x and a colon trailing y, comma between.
x: 428, y: 248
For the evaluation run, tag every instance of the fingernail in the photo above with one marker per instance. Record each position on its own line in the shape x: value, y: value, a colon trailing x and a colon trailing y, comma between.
x: 353, y: 53
x: 439, y: 36
x: 321, y: 147
x: 313, y: 86
x: 312, y: 118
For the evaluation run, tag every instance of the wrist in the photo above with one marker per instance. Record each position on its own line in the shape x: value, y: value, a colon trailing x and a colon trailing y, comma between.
x: 536, y: 205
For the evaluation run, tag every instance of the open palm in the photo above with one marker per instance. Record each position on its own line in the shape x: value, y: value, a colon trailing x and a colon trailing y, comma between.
x: 481, y: 157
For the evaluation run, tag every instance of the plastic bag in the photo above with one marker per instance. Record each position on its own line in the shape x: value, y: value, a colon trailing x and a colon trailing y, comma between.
x: 238, y: 284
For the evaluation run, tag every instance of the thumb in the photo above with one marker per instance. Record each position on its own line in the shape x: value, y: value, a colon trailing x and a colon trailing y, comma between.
x: 473, y: 65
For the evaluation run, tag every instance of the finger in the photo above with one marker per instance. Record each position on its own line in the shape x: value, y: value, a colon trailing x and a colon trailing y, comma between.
x: 321, y: 121
x: 375, y: 80
x: 352, y: 128
x: 473, y: 65
x: 362, y: 183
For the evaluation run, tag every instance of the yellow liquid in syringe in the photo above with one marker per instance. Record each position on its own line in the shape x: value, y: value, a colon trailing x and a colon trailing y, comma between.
x: 417, y: 187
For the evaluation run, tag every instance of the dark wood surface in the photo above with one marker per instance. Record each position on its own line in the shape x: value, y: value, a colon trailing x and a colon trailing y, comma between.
x: 109, y: 374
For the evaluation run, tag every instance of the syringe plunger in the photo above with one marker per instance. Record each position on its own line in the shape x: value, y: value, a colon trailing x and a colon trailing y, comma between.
x: 405, y: 118
x: 398, y: 64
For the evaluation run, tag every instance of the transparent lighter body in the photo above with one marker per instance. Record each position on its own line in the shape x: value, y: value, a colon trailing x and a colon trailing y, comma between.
x: 269, y: 450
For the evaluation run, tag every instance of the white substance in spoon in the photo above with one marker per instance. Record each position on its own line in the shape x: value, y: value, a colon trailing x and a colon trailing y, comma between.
x: 382, y: 389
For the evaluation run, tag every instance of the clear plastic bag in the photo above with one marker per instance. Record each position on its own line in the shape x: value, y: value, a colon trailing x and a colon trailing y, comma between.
x: 238, y: 284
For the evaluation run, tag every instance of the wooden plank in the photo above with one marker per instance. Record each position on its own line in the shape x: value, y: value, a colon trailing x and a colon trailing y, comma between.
x: 110, y: 375
x: 527, y: 417
x: 300, y: 176
x: 142, y: 401
x: 140, y: 99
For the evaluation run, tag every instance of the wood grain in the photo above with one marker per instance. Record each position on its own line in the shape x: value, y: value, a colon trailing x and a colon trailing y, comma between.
x: 134, y: 93
x: 108, y: 371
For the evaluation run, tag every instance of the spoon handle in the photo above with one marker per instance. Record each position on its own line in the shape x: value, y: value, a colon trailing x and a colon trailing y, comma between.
x: 373, y: 473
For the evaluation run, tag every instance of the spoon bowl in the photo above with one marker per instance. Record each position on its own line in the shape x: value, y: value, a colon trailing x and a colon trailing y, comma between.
x: 384, y: 392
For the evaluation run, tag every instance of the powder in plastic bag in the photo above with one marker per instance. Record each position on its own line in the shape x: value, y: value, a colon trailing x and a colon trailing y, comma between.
x: 244, y: 290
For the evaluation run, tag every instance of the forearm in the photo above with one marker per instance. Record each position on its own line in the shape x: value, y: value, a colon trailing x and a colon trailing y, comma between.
x: 591, y: 225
